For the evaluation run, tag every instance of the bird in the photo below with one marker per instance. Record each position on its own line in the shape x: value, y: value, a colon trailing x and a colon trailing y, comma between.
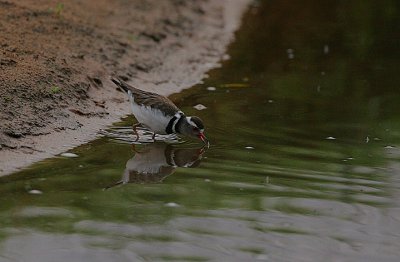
x: 159, y: 114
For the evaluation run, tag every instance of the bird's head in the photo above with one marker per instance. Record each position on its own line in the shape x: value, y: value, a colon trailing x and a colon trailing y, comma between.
x: 193, y: 126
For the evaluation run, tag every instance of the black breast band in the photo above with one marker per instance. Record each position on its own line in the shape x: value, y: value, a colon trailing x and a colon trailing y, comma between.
x: 171, y: 124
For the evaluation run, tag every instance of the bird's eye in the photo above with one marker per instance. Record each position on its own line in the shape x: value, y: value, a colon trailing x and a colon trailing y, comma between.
x: 195, y: 128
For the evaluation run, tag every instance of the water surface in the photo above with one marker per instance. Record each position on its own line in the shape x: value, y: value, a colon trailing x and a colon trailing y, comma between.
x: 303, y: 166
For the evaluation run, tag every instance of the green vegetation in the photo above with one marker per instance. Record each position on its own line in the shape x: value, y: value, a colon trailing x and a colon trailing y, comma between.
x: 133, y: 37
x: 55, y: 90
x: 58, y: 9
x: 7, y: 99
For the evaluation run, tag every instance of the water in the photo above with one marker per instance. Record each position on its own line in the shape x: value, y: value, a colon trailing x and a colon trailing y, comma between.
x: 303, y: 166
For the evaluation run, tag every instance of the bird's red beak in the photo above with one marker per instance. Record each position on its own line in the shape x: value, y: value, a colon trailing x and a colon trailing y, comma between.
x: 203, y: 138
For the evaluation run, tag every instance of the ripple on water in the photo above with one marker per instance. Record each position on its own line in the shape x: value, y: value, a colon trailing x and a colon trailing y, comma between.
x: 125, y: 134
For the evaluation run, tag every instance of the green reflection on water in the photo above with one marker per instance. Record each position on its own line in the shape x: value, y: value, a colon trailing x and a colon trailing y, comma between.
x: 299, y: 73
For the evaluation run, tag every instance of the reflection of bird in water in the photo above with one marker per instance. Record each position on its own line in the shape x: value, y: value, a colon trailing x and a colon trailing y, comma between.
x: 157, y: 161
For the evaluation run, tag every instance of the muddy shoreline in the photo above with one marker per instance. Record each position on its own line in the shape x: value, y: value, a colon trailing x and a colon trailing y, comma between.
x: 56, y: 62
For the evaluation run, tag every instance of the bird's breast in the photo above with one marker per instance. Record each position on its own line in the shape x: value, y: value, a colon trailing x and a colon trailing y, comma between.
x: 153, y: 118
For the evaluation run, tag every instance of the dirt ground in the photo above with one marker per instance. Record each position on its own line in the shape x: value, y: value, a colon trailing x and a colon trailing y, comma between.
x: 56, y: 59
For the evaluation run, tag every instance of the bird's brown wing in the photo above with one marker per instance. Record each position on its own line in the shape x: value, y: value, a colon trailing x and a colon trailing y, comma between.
x: 148, y: 98
x: 154, y: 100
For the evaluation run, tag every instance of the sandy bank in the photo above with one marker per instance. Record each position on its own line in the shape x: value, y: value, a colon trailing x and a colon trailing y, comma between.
x: 56, y: 60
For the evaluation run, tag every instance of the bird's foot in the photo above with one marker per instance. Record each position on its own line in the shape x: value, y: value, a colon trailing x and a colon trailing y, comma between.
x: 135, y: 132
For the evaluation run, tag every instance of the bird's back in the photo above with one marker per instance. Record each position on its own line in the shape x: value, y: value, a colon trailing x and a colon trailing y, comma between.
x: 148, y: 99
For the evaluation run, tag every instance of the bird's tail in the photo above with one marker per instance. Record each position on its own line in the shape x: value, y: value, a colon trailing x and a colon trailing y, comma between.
x: 122, y: 84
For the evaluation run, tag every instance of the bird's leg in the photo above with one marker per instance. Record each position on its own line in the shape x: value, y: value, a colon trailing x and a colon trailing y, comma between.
x: 154, y: 137
x: 134, y: 148
x: 136, y: 151
x: 135, y: 131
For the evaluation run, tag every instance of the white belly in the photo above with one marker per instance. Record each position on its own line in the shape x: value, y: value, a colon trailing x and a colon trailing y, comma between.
x: 152, y: 118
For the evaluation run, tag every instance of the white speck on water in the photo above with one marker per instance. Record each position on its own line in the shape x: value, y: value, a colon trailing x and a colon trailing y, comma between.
x: 389, y: 147
x: 245, y: 79
x: 367, y: 139
x: 207, y: 180
x: 200, y: 107
x: 377, y: 139
x: 270, y: 101
x: 249, y: 147
x: 326, y: 49
x: 290, y: 53
x: 80, y: 166
x: 171, y: 204
x: 262, y: 257
x: 323, y: 73
x: 35, y: 192
x: 69, y: 155
x: 350, y: 158
x: 330, y: 138
x: 318, y: 88
x: 211, y: 88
